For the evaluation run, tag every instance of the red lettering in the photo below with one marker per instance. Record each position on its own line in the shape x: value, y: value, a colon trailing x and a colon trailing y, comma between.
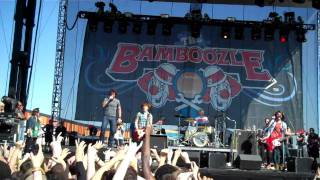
x: 233, y: 59
x: 146, y: 53
x: 222, y: 56
x: 125, y: 60
x: 253, y: 64
x: 181, y: 54
x: 195, y: 55
x: 164, y: 53
x: 209, y: 56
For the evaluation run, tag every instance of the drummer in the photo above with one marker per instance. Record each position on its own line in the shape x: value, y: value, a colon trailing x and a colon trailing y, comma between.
x: 201, y: 119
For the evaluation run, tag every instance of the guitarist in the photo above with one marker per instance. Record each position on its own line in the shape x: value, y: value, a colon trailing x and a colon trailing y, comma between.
x: 143, y: 118
x: 264, y: 153
x: 278, y: 131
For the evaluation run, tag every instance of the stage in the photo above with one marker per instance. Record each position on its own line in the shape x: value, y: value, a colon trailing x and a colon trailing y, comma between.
x: 237, y: 174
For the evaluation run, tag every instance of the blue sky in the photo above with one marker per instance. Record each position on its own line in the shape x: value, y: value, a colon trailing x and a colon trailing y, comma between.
x: 42, y: 78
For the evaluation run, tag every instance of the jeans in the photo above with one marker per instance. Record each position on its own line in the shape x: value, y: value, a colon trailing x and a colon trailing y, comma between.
x: 277, y: 154
x: 112, y: 121
x: 22, y: 129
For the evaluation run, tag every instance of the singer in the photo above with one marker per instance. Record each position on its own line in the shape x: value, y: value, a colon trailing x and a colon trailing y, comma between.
x: 143, y: 118
x: 112, y: 116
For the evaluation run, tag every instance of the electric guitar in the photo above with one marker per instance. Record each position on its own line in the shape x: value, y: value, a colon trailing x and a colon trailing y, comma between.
x: 276, y: 142
x: 138, y: 134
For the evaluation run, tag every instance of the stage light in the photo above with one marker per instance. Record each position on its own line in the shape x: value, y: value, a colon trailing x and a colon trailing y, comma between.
x: 259, y: 3
x: 274, y: 17
x: 122, y: 26
x: 93, y: 24
x: 299, y: 1
x: 301, y: 35
x: 225, y: 32
x: 238, y: 32
x: 316, y: 4
x: 100, y: 5
x: 137, y: 26
x: 113, y: 8
x: 151, y: 27
x: 195, y: 29
x: 164, y: 16
x: 289, y: 17
x: 107, y: 25
x: 166, y: 28
x: 283, y: 35
x: 256, y: 33
x: 269, y: 33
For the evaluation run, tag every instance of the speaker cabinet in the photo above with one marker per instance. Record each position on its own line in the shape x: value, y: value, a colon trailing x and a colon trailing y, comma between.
x: 193, y: 156
x: 248, y: 162
x: 244, y: 141
x: 300, y: 164
x: 217, y: 160
x: 158, y: 142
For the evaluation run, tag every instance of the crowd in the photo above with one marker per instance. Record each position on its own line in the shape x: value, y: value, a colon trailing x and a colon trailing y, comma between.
x: 94, y: 162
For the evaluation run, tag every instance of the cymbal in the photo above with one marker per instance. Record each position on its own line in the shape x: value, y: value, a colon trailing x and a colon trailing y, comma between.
x: 179, y: 116
x: 189, y: 120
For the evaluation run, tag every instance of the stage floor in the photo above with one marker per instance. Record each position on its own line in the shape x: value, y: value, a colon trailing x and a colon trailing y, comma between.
x: 237, y: 174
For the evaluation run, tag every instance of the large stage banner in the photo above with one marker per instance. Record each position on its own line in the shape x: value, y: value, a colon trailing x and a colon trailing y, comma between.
x: 241, y: 80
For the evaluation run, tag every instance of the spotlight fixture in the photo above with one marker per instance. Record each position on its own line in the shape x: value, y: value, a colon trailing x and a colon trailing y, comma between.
x: 259, y: 3
x: 283, y: 34
x: 122, y: 26
x: 238, y: 32
x: 301, y: 35
x: 93, y: 24
x: 316, y: 4
x: 274, y: 17
x: 107, y: 25
x: 269, y: 30
x: 100, y: 5
x: 166, y: 28
x: 299, y: 1
x: 256, y: 33
x: 226, y: 32
x: 195, y: 29
x: 289, y: 17
x: 137, y: 26
x: 113, y: 8
x: 151, y: 27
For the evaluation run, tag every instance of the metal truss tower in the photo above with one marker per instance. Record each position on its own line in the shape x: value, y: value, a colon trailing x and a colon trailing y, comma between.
x: 59, y: 60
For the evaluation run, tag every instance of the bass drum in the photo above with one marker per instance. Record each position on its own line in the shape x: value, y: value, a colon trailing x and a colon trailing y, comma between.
x: 190, y: 132
x: 200, y: 139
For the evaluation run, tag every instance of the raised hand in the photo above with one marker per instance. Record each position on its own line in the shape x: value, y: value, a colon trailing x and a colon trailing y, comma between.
x: 195, y: 170
x: 92, y: 152
x: 56, y: 145
x: 177, y: 154
x: 80, y: 146
x: 185, y: 157
x: 65, y: 152
x: 98, y: 145
x: 37, y: 160
x: 169, y: 156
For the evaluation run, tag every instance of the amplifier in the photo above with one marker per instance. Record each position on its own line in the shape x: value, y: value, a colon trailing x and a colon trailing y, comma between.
x: 158, y: 142
x: 244, y: 141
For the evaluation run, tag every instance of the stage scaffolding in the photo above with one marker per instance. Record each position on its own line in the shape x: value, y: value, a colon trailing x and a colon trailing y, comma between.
x: 59, y: 60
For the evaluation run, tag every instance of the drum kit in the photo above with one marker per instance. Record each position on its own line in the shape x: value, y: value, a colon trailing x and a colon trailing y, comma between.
x: 199, y: 135
x: 190, y: 133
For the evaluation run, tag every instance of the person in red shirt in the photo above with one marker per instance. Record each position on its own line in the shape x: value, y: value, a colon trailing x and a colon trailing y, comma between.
x: 278, y: 131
